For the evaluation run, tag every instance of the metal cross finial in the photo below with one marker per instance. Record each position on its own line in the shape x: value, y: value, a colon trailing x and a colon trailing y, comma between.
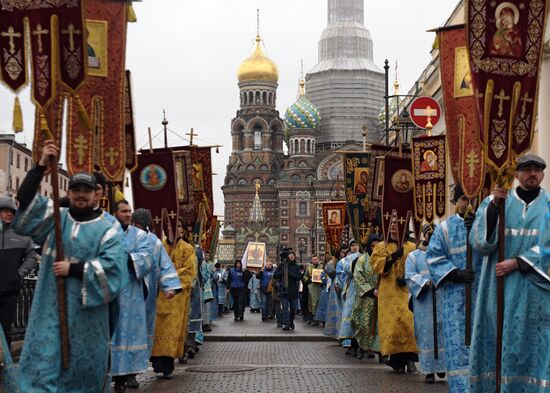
x: 191, y: 135
x: 258, y: 21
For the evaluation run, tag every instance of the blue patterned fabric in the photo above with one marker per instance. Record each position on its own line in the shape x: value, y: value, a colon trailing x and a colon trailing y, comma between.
x: 333, y: 316
x: 446, y: 253
x: 99, y: 245
x: 8, y: 373
x: 346, y: 331
x: 526, y: 332
x: 129, y: 348
x: 321, y: 312
x: 417, y: 275
x: 219, y: 278
x: 254, y: 287
x: 163, y: 276
x: 207, y: 293
x: 195, y: 315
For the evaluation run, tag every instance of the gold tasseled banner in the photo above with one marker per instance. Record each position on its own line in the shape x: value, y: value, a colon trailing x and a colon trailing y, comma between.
x: 17, y: 116
x: 83, y: 117
x: 132, y: 17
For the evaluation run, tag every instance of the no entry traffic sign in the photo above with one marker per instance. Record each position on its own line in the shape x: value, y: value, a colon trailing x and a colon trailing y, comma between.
x: 424, y: 109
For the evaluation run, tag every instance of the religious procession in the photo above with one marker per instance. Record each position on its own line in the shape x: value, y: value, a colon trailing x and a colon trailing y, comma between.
x: 367, y: 240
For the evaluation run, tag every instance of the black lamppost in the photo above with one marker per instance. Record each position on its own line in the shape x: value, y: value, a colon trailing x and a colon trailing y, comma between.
x: 301, y: 249
x: 313, y: 236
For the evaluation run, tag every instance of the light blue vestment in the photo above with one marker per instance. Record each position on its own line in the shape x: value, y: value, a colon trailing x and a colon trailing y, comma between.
x: 321, y: 312
x: 163, y: 276
x: 130, y: 349
x: 346, y: 331
x: 219, y: 277
x: 335, y: 304
x: 207, y: 292
x: 526, y: 331
x: 446, y: 253
x: 254, y: 287
x: 417, y: 275
x: 98, y: 244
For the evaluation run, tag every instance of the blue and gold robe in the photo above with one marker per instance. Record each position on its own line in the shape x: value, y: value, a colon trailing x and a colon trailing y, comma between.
x: 446, y: 253
x: 130, y: 349
x: 526, y: 334
x: 346, y: 331
x: 98, y: 244
x: 335, y: 304
x: 417, y: 275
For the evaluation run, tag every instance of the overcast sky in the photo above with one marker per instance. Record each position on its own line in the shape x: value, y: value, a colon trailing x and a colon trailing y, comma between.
x: 184, y: 55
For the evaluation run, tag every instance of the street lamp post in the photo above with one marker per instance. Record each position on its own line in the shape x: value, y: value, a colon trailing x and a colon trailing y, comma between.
x: 313, y: 236
x: 301, y: 249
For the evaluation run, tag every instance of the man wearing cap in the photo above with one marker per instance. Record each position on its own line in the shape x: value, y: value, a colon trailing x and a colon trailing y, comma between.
x: 17, y: 259
x: 94, y: 275
x: 421, y: 287
x: 446, y: 256
x: 526, y: 333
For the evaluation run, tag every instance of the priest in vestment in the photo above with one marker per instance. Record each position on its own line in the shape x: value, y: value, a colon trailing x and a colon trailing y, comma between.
x: 335, y: 304
x: 526, y: 273
x: 129, y: 348
x: 346, y: 332
x: 314, y: 288
x: 421, y: 287
x: 173, y: 314
x: 395, y: 320
x: 95, y: 272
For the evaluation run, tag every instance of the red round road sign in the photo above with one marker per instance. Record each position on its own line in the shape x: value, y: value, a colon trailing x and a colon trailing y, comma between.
x: 423, y: 109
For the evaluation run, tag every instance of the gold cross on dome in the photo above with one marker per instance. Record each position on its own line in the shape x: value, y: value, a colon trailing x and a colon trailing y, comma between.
x: 111, y: 155
x: 501, y: 97
x: 71, y: 31
x: 39, y: 32
x: 12, y: 35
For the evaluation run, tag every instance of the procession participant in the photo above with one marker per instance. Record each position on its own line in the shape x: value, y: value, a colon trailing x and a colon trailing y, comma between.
x: 526, y: 336
x: 265, y: 276
x: 363, y: 316
x: 254, y: 291
x: 173, y: 314
x: 163, y: 276
x: 348, y: 295
x: 326, y: 282
x: 273, y: 289
x: 219, y: 278
x: 101, y: 194
x: 207, y: 293
x: 237, y: 282
x: 314, y: 288
x: 395, y: 320
x: 18, y: 259
x: 421, y: 289
x: 129, y: 348
x: 95, y: 272
x: 288, y: 276
x: 334, y: 308
x: 446, y: 257
x: 195, y: 332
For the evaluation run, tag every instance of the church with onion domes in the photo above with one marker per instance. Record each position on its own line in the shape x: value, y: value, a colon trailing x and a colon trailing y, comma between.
x: 278, y: 169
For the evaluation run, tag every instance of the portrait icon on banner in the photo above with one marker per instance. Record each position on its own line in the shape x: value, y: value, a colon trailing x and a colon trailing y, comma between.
x: 334, y: 217
x: 463, y: 75
x: 153, y: 177
x: 181, y: 181
x: 507, y: 39
x: 429, y: 164
x: 197, y: 176
x: 361, y: 177
x: 402, y: 181
x: 256, y: 254
x: 97, y: 47
x: 316, y: 275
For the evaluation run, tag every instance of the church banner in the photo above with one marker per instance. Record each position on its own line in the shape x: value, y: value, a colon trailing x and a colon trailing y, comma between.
x: 57, y: 50
x: 101, y: 143
x: 463, y: 137
x: 357, y: 176
x: 398, y: 203
x: 429, y: 169
x: 505, y: 42
x: 184, y: 186
x: 154, y: 188
x: 129, y: 127
x: 334, y: 220
x: 54, y: 114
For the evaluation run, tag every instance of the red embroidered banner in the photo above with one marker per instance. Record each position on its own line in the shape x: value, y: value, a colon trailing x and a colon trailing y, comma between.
x: 129, y: 128
x: 334, y: 220
x: 505, y: 42
x: 429, y: 169
x: 398, y: 203
x: 154, y: 187
x: 56, y: 34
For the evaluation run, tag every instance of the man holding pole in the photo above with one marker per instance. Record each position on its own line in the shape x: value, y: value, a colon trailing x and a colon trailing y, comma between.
x: 525, y: 365
x: 446, y: 256
x: 94, y: 272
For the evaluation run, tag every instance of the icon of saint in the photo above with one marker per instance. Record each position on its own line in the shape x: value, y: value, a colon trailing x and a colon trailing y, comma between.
x: 430, y: 162
x: 507, y: 39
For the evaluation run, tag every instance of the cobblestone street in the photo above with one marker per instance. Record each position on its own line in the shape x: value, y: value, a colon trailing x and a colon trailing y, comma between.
x: 299, y: 361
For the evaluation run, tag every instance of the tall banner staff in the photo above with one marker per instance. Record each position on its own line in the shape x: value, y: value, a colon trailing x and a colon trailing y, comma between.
x: 505, y: 47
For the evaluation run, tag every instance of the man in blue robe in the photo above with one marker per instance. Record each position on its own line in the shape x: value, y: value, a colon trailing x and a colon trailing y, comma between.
x: 347, y: 334
x: 526, y: 330
x: 95, y: 273
x: 446, y: 256
x: 421, y: 289
x: 163, y: 276
x: 129, y: 348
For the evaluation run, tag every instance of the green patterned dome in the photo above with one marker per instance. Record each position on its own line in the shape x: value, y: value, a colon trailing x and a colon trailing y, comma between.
x: 302, y: 114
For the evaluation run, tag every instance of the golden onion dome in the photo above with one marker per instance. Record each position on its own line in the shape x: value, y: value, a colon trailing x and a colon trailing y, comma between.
x: 258, y: 67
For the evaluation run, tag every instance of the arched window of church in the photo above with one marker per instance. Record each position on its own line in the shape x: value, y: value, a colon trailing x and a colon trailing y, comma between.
x: 270, y: 98
x: 308, y: 146
x: 250, y: 98
x: 295, y: 178
x: 257, y: 138
x: 245, y: 99
x: 302, y: 208
x: 302, y: 146
x: 264, y: 168
x: 257, y: 98
x: 296, y: 147
x: 313, y: 147
x: 242, y: 182
x: 264, y: 96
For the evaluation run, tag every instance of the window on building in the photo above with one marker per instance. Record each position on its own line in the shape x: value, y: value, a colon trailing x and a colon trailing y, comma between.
x: 302, y: 208
x: 257, y: 138
x: 18, y: 161
x: 16, y: 183
x: 26, y: 164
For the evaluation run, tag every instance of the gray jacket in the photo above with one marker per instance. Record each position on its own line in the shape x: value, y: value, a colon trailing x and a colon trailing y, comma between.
x: 17, y: 259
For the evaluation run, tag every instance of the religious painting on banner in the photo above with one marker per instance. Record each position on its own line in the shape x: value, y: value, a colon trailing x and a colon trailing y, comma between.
x: 154, y: 188
x: 129, y: 127
x: 57, y: 51
x: 102, y: 95
x: 505, y: 40
x: 398, y: 203
x: 334, y: 220
x: 429, y: 169
x: 254, y: 256
x: 201, y: 175
x: 463, y: 138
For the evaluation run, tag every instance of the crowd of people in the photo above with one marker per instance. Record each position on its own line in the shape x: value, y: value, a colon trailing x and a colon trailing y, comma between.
x: 134, y: 299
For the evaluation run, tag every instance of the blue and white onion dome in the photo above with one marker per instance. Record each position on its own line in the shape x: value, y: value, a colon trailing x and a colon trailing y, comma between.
x: 302, y: 114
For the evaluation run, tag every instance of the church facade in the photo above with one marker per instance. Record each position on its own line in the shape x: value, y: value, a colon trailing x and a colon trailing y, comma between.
x: 284, y: 210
